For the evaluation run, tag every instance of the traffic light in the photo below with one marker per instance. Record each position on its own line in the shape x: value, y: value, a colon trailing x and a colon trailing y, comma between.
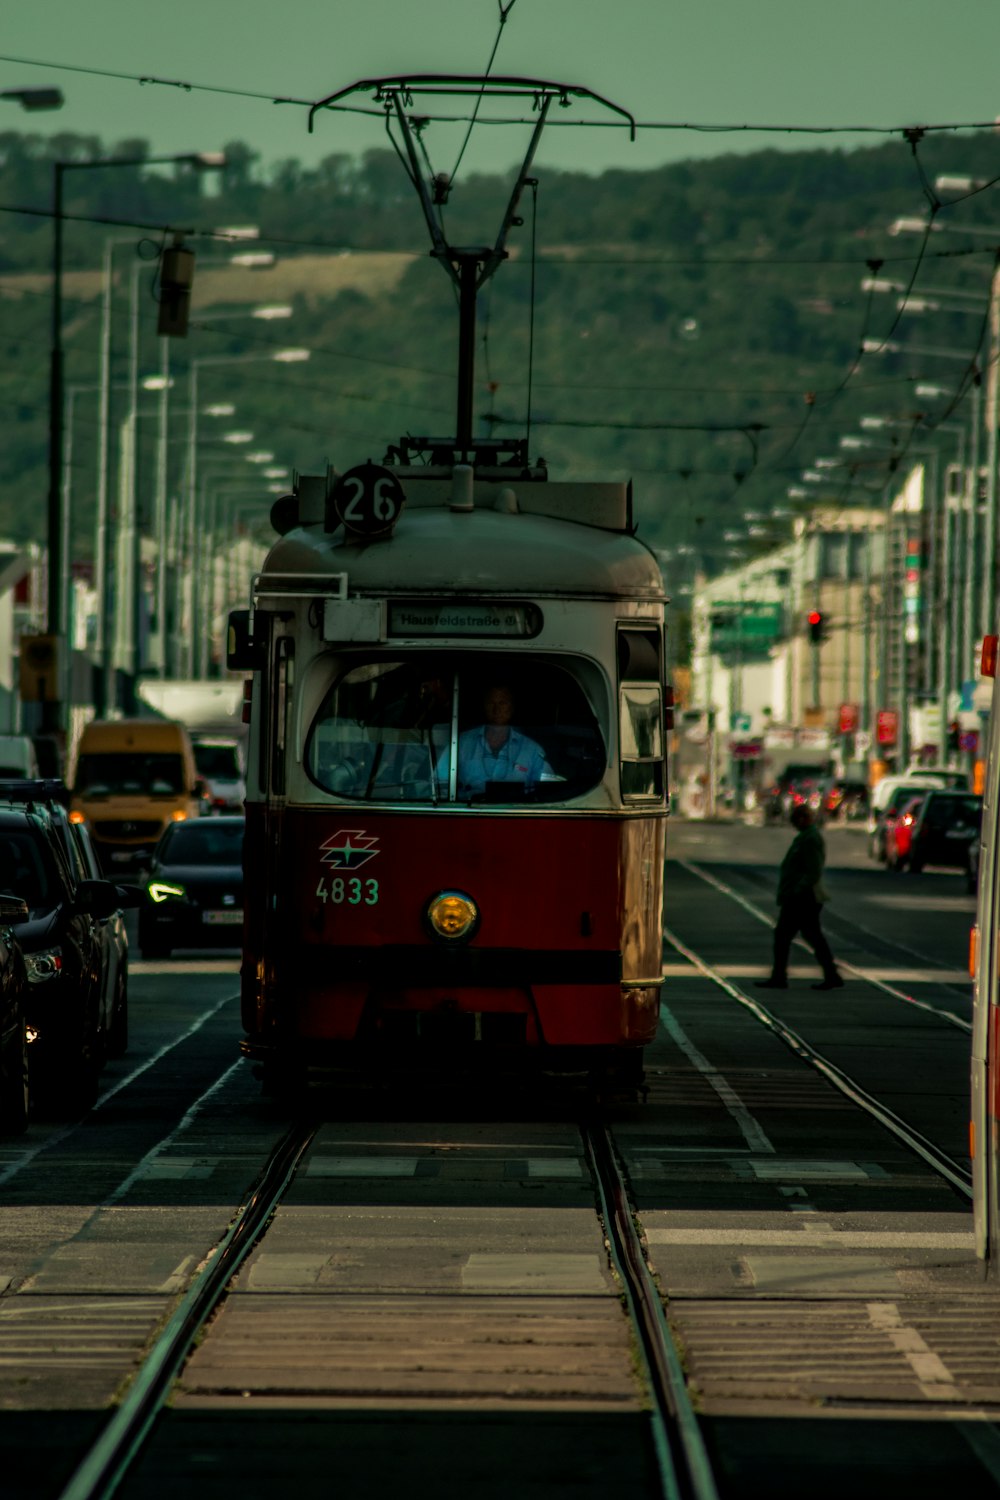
x: 817, y: 634
x: 176, y: 277
x: 39, y: 669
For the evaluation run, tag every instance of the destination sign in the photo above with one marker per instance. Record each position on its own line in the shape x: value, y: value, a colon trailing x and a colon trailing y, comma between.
x: 459, y: 618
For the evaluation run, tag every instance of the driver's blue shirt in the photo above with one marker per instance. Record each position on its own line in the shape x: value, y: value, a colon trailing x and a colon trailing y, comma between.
x: 518, y: 759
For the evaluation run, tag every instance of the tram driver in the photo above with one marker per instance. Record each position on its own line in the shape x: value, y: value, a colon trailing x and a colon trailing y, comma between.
x: 495, y: 751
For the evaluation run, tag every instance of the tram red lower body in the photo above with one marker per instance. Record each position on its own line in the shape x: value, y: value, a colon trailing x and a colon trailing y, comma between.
x: 567, y: 953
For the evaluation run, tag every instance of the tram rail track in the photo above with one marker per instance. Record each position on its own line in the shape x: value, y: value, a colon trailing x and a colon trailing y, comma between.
x: 682, y: 1462
x: 949, y: 1017
x: 958, y: 1176
x: 106, y: 1463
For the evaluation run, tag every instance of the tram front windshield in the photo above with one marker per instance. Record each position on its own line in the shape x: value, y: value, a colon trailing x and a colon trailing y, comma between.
x: 487, y: 729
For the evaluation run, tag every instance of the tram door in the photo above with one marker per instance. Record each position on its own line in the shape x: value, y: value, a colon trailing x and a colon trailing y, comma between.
x: 985, y: 1082
x: 266, y: 829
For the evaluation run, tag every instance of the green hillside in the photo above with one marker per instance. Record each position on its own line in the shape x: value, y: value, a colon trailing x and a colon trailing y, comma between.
x: 696, y: 328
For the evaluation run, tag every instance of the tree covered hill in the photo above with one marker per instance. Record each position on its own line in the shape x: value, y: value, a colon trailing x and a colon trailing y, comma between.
x: 696, y: 328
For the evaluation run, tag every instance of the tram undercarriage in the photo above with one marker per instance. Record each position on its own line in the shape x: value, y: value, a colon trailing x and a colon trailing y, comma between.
x: 411, y: 1034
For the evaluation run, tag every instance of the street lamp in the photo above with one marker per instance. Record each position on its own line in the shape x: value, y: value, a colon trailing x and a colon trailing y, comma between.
x: 236, y: 437
x: 53, y: 711
x: 34, y: 99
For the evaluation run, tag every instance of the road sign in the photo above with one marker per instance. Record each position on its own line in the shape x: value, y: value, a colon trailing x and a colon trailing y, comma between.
x: 739, y: 723
x: 745, y: 628
x: 847, y: 718
x: 886, y: 726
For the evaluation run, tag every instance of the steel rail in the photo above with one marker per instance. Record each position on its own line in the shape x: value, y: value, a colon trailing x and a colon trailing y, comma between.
x: 108, y: 1460
x: 684, y: 1466
x: 880, y: 984
x: 946, y: 1166
x: 895, y: 943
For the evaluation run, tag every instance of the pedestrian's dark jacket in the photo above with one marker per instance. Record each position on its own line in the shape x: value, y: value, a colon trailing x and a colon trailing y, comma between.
x: 802, y: 867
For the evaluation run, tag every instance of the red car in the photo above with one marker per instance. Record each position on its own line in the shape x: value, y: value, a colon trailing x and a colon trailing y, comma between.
x: 898, y: 832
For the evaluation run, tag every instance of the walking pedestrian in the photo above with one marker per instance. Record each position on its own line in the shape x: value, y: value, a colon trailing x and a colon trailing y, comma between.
x: 800, y: 898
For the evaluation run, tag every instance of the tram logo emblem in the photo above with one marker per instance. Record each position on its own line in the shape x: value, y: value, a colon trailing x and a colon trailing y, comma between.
x: 349, y: 849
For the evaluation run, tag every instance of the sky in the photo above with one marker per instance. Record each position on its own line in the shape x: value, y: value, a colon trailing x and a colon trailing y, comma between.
x: 878, y: 63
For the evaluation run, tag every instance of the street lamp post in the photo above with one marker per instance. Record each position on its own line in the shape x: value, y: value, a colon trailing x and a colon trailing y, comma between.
x: 195, y: 505
x: 966, y: 607
x: 53, y: 711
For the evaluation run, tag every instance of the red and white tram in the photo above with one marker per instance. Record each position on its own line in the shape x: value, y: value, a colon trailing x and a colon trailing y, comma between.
x: 984, y: 1127
x: 457, y: 786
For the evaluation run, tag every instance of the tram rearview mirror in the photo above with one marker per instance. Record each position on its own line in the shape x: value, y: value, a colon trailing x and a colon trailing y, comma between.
x: 243, y: 653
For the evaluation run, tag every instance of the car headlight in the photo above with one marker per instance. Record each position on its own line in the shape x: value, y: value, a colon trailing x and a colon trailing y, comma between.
x: 452, y: 915
x: 159, y: 890
x: 44, y: 965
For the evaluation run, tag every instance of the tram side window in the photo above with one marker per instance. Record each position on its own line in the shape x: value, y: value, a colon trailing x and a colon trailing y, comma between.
x: 641, y: 715
x: 474, y: 729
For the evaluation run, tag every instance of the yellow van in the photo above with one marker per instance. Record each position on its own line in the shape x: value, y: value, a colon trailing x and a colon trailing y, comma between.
x: 131, y: 779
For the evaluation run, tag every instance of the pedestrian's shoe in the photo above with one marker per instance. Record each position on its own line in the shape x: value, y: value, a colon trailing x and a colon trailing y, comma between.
x: 771, y: 983
x: 831, y: 982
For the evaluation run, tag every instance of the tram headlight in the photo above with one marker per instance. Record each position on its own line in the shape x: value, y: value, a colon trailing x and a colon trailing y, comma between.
x: 452, y: 915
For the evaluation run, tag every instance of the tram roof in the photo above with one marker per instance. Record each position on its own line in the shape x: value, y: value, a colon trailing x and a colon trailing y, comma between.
x: 436, y: 549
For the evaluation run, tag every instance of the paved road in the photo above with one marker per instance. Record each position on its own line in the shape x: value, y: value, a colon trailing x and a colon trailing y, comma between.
x: 432, y: 1306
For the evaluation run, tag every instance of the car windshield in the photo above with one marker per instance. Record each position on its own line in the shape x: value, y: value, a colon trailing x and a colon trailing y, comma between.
x: 899, y: 798
x: 208, y: 841
x: 218, y: 762
x: 130, y: 773
x: 26, y: 869
x: 483, y: 727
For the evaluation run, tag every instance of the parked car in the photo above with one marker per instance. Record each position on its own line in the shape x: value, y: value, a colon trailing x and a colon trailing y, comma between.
x: 194, y: 894
x: 796, y: 783
x: 114, y: 939
x: 972, y: 871
x: 14, y: 1087
x: 17, y: 756
x: 946, y: 827
x: 898, y: 832
x: 219, y: 759
x: 891, y: 794
x: 66, y: 938
x: 846, y: 800
x: 77, y: 846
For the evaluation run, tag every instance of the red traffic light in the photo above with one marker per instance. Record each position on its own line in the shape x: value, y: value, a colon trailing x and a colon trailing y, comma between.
x: 815, y: 618
x: 815, y: 622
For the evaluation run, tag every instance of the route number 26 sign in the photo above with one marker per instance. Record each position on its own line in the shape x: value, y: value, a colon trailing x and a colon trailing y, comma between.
x: 365, y: 500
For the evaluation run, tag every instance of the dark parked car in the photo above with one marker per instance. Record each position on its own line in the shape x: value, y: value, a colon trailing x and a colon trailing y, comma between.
x: 65, y: 939
x: 114, y: 938
x: 897, y: 831
x: 972, y: 871
x: 13, y: 1024
x: 194, y: 894
x: 797, y: 786
x: 946, y: 827
x: 846, y: 800
x: 885, y: 817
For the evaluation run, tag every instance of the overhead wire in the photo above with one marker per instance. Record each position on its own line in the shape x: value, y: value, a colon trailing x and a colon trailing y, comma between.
x: 505, y: 11
x: 697, y: 127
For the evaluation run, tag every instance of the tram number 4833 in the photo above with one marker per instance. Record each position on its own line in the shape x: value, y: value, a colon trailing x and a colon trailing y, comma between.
x: 353, y: 891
